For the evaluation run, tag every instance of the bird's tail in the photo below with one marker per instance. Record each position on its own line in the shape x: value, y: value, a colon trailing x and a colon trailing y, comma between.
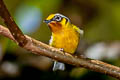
x: 58, y: 66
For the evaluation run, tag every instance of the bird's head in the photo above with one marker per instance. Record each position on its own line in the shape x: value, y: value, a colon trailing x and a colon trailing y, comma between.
x: 57, y: 22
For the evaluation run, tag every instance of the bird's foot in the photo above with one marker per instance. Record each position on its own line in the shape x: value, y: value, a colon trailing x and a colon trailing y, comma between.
x: 61, y: 49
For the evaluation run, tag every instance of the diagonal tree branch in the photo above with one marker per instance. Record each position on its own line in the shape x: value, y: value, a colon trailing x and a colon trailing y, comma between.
x: 40, y: 48
x: 12, y: 26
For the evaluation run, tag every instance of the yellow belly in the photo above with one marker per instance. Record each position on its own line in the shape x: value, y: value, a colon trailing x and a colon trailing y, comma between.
x: 67, y: 39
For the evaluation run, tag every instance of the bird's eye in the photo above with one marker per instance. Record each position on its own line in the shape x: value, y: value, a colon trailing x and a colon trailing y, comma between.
x: 58, y: 18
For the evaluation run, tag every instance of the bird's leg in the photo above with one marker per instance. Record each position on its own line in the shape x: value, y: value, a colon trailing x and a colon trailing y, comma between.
x: 61, y: 49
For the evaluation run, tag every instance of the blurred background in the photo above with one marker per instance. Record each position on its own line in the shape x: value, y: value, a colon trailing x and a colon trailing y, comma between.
x: 100, y: 20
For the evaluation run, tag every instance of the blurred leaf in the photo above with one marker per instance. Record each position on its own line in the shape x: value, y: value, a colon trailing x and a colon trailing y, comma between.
x: 78, y: 72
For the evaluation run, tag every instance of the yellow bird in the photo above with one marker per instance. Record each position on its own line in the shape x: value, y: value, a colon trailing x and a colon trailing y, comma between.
x: 65, y: 35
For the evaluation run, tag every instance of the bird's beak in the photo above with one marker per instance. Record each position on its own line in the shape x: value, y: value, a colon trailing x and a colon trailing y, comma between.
x: 47, y: 21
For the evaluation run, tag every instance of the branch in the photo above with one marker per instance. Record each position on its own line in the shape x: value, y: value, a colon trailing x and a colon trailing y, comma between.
x: 40, y: 48
x: 12, y: 26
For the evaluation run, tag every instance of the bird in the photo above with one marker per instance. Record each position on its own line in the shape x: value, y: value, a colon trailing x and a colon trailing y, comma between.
x: 65, y: 36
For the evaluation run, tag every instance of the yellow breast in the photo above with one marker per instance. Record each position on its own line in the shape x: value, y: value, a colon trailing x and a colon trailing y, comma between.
x: 67, y: 39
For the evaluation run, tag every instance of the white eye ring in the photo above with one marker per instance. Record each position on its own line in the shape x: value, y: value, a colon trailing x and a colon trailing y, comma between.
x: 58, y: 18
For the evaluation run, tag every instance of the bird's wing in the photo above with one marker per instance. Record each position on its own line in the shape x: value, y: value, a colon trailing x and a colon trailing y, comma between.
x: 81, y: 32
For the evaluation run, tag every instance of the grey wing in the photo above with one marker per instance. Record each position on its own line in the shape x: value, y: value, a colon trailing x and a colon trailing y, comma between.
x: 81, y: 33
